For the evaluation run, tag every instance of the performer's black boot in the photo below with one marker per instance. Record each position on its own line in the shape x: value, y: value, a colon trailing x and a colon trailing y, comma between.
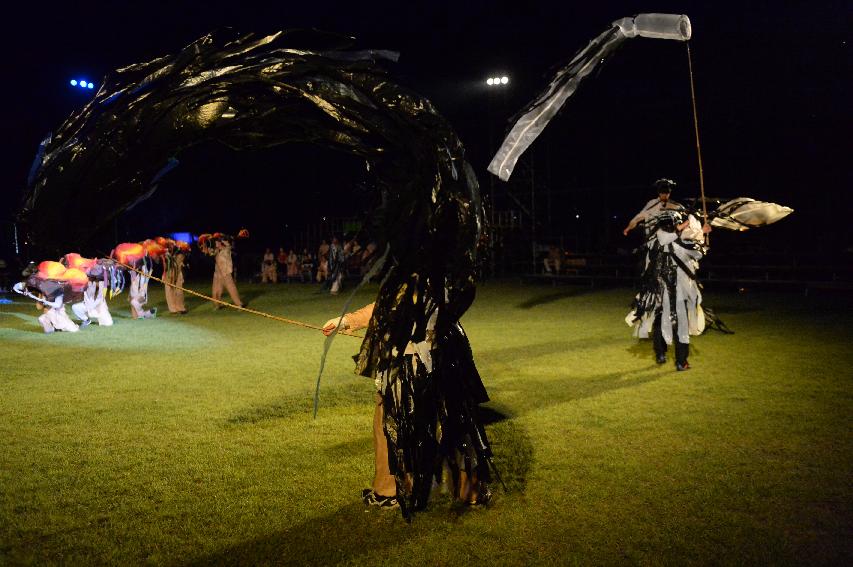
x: 658, y: 342
x: 682, y: 350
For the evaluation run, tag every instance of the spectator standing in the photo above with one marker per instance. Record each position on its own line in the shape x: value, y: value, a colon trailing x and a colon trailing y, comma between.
x: 292, y: 265
x: 323, y: 262
x: 268, y: 271
x: 307, y: 263
x: 554, y: 261
x: 282, y: 262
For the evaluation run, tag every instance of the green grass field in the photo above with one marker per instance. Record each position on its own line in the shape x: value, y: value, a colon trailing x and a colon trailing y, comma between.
x: 190, y: 440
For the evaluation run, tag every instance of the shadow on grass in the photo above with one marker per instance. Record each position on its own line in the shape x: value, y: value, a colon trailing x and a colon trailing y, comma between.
x: 249, y: 296
x: 343, y: 536
x: 518, y: 354
x: 731, y: 309
x: 340, y: 537
x: 513, y: 454
x: 641, y: 349
x: 303, y: 404
x: 544, y: 394
x: 354, y: 448
x: 552, y: 297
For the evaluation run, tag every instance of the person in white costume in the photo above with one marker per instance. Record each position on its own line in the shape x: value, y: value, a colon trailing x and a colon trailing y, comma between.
x: 55, y: 318
x: 669, y: 304
x: 139, y: 293
x: 662, y: 203
x: 93, y: 306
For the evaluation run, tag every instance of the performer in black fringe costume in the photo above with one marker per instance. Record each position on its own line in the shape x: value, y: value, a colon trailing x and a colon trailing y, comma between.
x: 425, y: 421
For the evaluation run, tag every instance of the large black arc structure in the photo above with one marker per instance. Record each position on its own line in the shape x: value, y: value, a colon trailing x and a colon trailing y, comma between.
x: 251, y: 92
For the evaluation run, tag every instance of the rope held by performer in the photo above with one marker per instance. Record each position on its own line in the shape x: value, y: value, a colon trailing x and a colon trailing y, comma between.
x: 232, y: 306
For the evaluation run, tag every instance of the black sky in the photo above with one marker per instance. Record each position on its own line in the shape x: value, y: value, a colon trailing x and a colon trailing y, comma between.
x: 773, y: 83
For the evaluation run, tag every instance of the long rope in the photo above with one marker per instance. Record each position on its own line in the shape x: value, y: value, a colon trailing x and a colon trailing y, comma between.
x: 696, y: 130
x: 371, y: 273
x: 232, y: 306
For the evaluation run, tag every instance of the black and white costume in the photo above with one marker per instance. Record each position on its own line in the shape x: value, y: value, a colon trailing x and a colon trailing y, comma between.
x: 669, y: 304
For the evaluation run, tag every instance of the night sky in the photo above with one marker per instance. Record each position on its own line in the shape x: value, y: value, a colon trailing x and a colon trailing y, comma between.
x: 773, y: 86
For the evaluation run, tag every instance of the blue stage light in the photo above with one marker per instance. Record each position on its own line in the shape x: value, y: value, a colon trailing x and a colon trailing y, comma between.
x: 185, y: 236
x: 91, y: 85
x: 83, y: 84
x: 73, y: 82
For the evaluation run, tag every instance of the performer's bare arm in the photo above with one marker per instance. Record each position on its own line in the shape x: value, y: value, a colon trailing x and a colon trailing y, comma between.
x: 351, y: 321
x: 638, y: 218
x: 632, y: 225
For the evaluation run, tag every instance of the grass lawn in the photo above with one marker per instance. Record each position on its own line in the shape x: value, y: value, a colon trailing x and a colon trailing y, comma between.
x: 190, y: 439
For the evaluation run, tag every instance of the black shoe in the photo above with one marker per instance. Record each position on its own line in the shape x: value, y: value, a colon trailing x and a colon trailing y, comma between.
x: 484, y: 496
x: 681, y: 367
x: 660, y: 359
x: 370, y: 498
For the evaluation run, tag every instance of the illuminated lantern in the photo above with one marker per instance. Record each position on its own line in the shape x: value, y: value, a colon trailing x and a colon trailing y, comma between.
x: 76, y: 277
x: 244, y: 233
x: 129, y: 252
x: 153, y: 248
x: 50, y: 270
x: 74, y: 260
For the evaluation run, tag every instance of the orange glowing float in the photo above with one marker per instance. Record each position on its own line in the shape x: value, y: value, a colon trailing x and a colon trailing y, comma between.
x: 153, y: 248
x: 244, y: 233
x: 75, y: 260
x: 76, y: 277
x: 129, y: 252
x: 50, y: 270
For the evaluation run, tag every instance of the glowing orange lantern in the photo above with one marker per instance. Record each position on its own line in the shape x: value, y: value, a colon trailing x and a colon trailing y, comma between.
x: 76, y: 277
x: 128, y: 252
x: 75, y: 260
x: 153, y: 248
x: 50, y: 270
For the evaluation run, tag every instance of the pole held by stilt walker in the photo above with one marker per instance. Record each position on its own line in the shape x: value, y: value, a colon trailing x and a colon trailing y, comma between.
x: 698, y: 145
